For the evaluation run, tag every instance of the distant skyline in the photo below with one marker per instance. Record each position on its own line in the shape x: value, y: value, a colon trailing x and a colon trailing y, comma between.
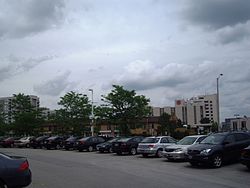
x: 163, y: 49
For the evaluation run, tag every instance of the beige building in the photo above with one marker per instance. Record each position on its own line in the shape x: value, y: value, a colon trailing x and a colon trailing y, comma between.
x: 158, y: 111
x: 193, y: 110
x: 6, y: 106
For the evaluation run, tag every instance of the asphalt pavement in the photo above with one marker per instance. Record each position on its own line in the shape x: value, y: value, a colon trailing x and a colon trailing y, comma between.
x: 73, y: 169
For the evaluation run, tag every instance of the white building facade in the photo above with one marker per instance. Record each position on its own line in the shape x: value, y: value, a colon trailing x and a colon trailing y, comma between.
x: 7, y: 109
x: 192, y: 111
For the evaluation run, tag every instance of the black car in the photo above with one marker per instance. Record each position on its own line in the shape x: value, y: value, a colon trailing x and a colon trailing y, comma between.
x: 38, y: 142
x: 245, y: 157
x: 127, y: 145
x: 14, y: 171
x: 54, y: 142
x: 88, y: 143
x: 218, y: 148
x: 106, y: 146
x: 70, y: 142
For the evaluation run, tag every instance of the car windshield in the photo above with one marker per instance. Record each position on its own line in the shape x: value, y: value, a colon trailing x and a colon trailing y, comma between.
x: 187, y: 140
x: 213, y: 139
x: 23, y: 138
x: 52, y: 138
x: 150, y: 140
x: 71, y: 138
x: 113, y: 140
x: 84, y: 139
x: 124, y: 139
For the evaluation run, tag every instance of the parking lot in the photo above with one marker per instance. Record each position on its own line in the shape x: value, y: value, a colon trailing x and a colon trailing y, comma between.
x: 61, y: 169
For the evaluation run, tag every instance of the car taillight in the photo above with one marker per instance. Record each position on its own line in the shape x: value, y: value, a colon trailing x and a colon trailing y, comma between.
x: 151, y: 145
x: 24, y: 166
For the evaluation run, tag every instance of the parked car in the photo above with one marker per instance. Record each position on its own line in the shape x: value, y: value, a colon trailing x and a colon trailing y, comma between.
x: 14, y: 171
x: 154, y: 145
x: 88, y: 143
x: 245, y: 157
x: 54, y: 142
x: 179, y: 150
x: 70, y: 142
x: 38, y: 142
x: 127, y: 145
x: 106, y: 146
x: 218, y: 148
x: 23, y: 142
x: 8, y: 142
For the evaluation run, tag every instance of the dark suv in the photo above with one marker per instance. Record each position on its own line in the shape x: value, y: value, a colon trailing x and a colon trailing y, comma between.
x: 54, y: 142
x: 218, y: 148
x: 127, y: 145
x: 88, y: 143
x: 38, y: 142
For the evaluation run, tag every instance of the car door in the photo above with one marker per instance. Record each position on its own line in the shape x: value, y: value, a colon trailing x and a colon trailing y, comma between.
x: 229, y: 148
x: 164, y: 142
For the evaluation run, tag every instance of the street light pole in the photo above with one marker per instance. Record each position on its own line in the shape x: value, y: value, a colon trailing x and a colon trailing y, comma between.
x: 92, y: 111
x: 218, y: 102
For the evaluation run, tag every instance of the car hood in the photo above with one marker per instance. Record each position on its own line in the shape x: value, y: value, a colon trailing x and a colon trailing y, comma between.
x: 175, y: 146
x: 104, y: 144
x: 201, y: 147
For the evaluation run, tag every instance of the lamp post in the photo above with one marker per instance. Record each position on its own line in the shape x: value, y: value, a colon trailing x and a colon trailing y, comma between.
x: 92, y: 111
x: 218, y: 102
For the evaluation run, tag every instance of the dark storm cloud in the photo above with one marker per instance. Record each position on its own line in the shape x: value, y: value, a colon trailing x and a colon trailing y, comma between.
x: 55, y: 86
x: 217, y: 14
x: 15, y: 65
x: 22, y: 18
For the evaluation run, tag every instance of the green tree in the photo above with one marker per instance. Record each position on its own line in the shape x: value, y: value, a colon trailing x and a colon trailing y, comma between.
x: 75, y: 112
x: 27, y: 117
x: 205, y: 120
x: 214, y: 127
x: 164, y: 121
x: 125, y: 108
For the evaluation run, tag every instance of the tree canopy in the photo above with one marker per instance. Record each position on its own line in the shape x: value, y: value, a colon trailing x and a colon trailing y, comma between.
x: 125, y: 108
x: 75, y: 111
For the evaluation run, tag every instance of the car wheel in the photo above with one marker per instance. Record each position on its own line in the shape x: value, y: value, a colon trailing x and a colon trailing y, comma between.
x: 145, y: 155
x: 58, y: 146
x: 159, y: 153
x: 110, y: 150
x: 27, y: 145
x: 193, y: 163
x: 217, y: 161
x: 90, y: 149
x: 133, y: 151
x: 2, y: 185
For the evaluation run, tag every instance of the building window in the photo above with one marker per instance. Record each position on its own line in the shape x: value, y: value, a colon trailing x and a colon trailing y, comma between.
x: 235, y: 127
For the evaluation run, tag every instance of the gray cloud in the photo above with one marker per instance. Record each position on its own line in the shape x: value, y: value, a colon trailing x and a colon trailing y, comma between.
x: 15, y: 65
x: 230, y: 34
x: 217, y: 14
x: 20, y: 19
x: 55, y: 86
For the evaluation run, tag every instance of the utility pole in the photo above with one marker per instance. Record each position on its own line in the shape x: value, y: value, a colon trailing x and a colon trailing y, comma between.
x: 218, y: 101
x: 92, y: 111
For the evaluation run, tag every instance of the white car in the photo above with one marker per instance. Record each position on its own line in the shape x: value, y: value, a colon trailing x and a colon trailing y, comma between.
x: 154, y: 145
x: 23, y: 142
x: 179, y: 151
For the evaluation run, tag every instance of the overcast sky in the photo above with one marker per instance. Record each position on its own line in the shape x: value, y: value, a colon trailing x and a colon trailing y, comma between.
x: 163, y: 49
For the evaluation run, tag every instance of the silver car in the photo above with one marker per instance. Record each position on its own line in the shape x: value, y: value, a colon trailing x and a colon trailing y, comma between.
x: 154, y: 145
x: 179, y: 151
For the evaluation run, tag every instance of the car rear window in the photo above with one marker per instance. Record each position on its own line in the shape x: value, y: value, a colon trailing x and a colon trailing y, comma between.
x: 150, y: 140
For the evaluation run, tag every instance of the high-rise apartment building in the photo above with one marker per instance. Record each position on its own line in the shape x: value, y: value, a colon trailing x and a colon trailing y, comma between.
x: 6, y: 106
x: 197, y: 111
